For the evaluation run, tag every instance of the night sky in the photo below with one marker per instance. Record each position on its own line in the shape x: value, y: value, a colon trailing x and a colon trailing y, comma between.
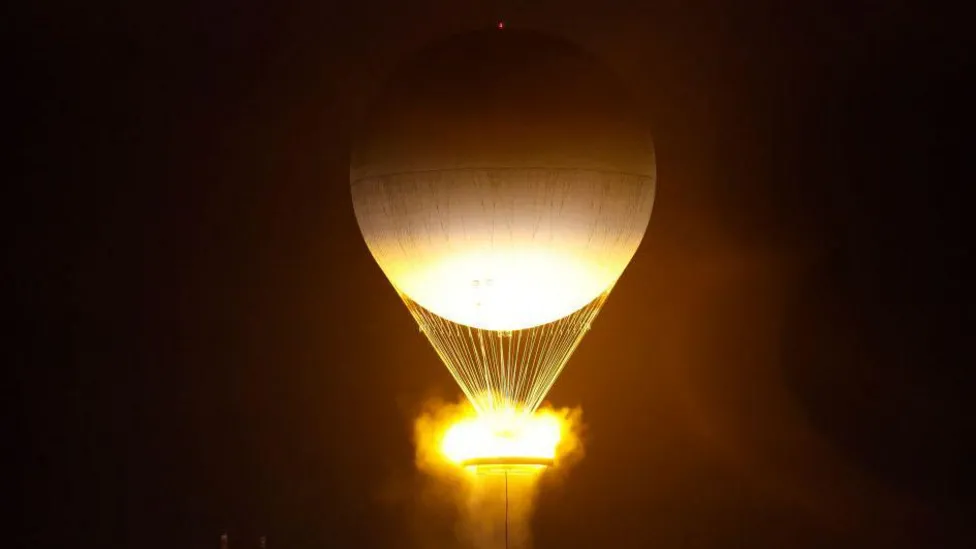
x: 204, y: 344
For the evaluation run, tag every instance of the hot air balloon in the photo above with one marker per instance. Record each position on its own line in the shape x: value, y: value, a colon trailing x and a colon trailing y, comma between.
x: 502, y: 182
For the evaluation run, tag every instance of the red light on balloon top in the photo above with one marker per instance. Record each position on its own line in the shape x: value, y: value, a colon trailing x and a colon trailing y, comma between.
x: 501, y: 25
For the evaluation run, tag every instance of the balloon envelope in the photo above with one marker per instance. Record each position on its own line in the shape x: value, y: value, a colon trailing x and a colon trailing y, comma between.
x: 502, y: 182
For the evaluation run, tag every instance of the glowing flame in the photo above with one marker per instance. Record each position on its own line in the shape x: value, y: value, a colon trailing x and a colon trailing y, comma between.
x: 453, y: 439
x: 504, y: 440
x: 490, y: 506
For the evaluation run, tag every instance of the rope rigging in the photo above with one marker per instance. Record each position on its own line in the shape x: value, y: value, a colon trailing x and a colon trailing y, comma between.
x: 506, y: 369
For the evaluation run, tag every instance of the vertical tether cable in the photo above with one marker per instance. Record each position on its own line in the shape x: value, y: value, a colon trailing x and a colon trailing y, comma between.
x: 506, y: 509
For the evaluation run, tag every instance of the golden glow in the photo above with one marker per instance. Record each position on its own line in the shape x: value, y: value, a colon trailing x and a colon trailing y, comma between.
x: 518, y: 290
x: 446, y: 435
x: 503, y: 248
x: 506, y: 440
x: 498, y: 496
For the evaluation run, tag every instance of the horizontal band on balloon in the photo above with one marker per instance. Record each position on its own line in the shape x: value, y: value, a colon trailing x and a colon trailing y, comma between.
x: 359, y: 174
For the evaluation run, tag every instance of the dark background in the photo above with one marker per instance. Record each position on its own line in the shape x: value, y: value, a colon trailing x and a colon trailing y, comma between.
x: 203, y: 342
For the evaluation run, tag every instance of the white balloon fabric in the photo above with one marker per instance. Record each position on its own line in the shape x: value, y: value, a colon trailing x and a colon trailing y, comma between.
x: 503, y: 182
x: 503, y: 248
